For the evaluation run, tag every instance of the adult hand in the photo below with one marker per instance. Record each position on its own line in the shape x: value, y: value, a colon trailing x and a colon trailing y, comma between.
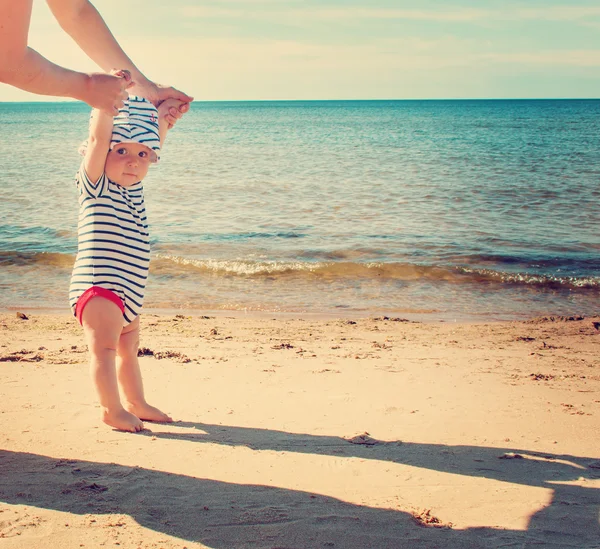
x: 164, y: 92
x: 108, y: 92
x: 174, y: 113
x: 156, y: 94
x: 171, y: 110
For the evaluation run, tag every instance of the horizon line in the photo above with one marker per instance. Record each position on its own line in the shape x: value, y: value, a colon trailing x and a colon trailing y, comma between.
x: 71, y: 101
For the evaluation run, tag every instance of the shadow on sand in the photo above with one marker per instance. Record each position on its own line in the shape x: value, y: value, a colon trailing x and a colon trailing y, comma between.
x: 227, y: 516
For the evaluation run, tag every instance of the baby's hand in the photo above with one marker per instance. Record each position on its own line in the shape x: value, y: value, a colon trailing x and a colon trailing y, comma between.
x: 172, y: 110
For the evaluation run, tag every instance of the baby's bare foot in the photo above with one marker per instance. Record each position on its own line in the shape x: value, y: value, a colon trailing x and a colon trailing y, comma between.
x: 149, y: 413
x: 122, y: 420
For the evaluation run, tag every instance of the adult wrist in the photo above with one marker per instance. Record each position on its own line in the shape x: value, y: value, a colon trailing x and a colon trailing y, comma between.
x: 81, y: 86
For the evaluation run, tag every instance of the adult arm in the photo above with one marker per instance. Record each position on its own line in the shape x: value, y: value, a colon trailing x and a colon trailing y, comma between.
x: 82, y: 21
x: 24, y: 68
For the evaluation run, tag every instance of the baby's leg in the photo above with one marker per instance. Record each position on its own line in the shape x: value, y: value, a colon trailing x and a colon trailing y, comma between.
x: 102, y: 322
x: 130, y: 376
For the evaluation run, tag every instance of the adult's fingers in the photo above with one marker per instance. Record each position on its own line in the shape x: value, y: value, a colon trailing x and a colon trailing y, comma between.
x: 172, y: 93
x: 120, y: 101
x: 126, y: 80
x: 107, y: 92
x: 123, y: 73
x: 176, y: 94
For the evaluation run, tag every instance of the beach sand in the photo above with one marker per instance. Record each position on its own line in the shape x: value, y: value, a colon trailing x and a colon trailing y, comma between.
x: 298, y: 434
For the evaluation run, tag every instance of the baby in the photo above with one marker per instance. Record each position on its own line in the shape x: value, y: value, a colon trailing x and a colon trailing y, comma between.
x: 110, y: 272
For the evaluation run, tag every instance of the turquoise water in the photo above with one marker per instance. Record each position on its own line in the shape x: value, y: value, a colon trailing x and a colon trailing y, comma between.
x: 433, y: 209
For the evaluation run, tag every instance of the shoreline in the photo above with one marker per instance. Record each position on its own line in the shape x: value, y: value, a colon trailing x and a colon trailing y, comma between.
x: 342, y: 314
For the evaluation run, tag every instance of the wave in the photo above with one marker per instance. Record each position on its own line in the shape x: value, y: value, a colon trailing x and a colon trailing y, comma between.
x: 167, y: 265
x: 51, y: 259
x: 247, y: 235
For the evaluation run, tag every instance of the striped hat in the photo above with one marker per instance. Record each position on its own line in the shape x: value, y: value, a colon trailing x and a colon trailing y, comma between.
x: 137, y: 122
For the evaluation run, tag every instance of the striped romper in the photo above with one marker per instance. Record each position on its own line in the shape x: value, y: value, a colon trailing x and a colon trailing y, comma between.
x: 113, y: 243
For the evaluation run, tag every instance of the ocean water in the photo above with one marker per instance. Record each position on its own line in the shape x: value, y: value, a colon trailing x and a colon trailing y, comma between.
x: 436, y: 210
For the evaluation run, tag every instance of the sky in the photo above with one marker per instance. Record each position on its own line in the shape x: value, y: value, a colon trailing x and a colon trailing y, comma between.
x: 346, y: 49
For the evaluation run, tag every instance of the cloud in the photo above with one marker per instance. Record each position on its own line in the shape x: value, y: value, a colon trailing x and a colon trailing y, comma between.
x: 556, y: 13
x: 323, y: 13
x: 208, y: 12
x: 387, y: 14
x: 568, y: 58
x: 222, y: 55
x: 239, y: 59
x: 257, y: 10
x: 559, y: 13
x: 225, y: 55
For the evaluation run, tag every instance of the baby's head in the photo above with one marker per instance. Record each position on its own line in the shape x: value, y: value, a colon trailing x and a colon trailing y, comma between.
x: 135, y: 142
x: 127, y: 163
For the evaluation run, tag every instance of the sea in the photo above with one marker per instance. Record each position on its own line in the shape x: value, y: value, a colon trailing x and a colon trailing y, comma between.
x: 458, y: 210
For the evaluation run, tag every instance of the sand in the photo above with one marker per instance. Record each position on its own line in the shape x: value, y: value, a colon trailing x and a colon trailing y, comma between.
x: 298, y: 434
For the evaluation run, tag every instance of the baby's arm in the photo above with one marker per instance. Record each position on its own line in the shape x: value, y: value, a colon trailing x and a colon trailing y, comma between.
x: 101, y: 126
x: 164, y: 125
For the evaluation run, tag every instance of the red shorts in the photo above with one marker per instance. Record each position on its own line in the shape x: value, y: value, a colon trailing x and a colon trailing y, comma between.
x: 96, y: 291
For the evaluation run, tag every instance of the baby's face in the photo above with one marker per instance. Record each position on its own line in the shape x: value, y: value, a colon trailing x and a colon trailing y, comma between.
x: 127, y: 163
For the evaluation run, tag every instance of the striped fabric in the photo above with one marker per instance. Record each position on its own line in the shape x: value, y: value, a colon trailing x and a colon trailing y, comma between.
x: 113, y: 244
x: 137, y: 122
